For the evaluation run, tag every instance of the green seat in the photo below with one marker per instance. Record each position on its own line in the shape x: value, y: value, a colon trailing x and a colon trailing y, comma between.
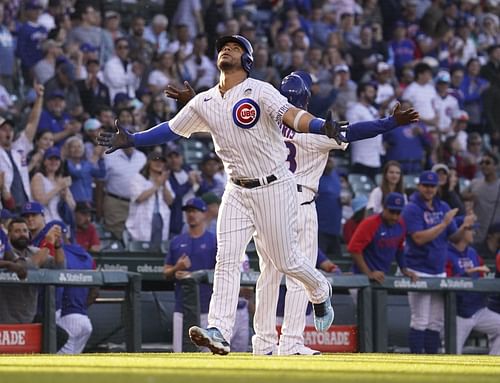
x: 140, y: 246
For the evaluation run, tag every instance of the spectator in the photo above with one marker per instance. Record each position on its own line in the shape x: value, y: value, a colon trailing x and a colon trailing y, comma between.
x: 156, y: 33
x: 13, y: 164
x: 112, y: 23
x: 191, y: 251
x: 473, y: 86
x: 159, y: 110
x: 261, y: 70
x: 421, y: 94
x: 392, y: 181
x: 430, y: 225
x: 150, y: 198
x: 50, y: 186
x: 56, y: 120
x: 365, y: 154
x: 140, y: 48
x: 402, y: 48
x: 358, y: 214
x: 44, y: 139
x: 201, y: 68
x: 82, y: 171
x: 379, y: 239
x: 120, y: 167
x: 182, y: 179
x: 86, y: 233
x: 485, y: 193
x: 30, y: 36
x: 207, y: 181
x: 468, y: 167
x: 472, y: 310
x: 445, y: 104
x: 183, y: 42
x: 281, y: 58
x: 7, y: 51
x: 93, y: 92
x: 491, y: 72
x: 459, y: 121
x: 165, y: 74
x: 494, y: 300
x: 448, y: 188
x: 64, y: 81
x: 88, y: 31
x: 386, y: 95
x: 121, y: 75
x: 91, y: 128
x: 45, y: 69
x: 213, y: 202
x: 408, y: 145
x: 329, y: 209
x: 18, y: 303
x: 189, y: 13
x: 74, y: 317
x: 489, y: 248
x: 366, y: 54
x: 8, y: 260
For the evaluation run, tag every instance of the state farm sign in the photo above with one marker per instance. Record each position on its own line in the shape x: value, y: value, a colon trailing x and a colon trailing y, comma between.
x: 20, y: 338
x: 336, y: 339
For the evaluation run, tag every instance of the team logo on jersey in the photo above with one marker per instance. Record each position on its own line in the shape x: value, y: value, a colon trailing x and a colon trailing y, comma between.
x: 246, y: 113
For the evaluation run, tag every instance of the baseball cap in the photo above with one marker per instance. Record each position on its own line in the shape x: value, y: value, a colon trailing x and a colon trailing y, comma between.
x: 68, y: 69
x: 57, y: 93
x: 359, y: 203
x: 173, y: 149
x: 210, y: 198
x: 382, y: 67
x: 121, y: 97
x: 32, y: 207
x: 439, y: 167
x: 86, y: 47
x: 111, y: 14
x: 33, y: 4
x: 443, y: 76
x: 52, y: 152
x: 394, y: 201
x: 154, y: 155
x: 210, y: 156
x: 5, y: 120
x: 429, y: 178
x: 195, y: 203
x: 91, y: 124
x: 83, y: 207
x: 460, y: 115
x: 341, y: 68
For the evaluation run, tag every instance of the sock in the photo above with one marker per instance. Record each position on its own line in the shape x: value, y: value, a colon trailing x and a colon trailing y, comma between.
x: 416, y: 341
x: 432, y: 341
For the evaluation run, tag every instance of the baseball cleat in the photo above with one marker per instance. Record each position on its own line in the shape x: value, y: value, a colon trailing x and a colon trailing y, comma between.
x: 210, y: 338
x: 302, y: 350
x: 323, y: 314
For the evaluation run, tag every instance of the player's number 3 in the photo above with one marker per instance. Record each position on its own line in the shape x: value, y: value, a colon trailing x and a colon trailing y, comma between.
x: 292, y: 152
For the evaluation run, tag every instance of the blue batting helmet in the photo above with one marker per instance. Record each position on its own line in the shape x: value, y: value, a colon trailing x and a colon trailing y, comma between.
x: 306, y: 77
x: 295, y: 90
x: 246, y: 57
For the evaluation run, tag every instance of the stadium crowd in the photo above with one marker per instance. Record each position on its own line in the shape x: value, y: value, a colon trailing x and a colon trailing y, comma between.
x: 68, y: 69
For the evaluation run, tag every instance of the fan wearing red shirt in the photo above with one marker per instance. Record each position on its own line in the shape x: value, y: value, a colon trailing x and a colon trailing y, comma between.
x: 86, y: 233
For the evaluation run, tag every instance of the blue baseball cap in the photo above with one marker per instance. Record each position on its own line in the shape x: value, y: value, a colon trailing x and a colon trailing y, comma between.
x: 52, y: 152
x: 32, y: 207
x: 55, y: 222
x: 56, y: 94
x: 429, y: 178
x: 359, y: 203
x: 86, y: 47
x: 394, y: 201
x: 121, y: 97
x: 33, y: 4
x: 195, y: 203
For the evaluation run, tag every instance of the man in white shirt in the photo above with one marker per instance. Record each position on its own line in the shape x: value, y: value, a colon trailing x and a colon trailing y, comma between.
x: 365, y: 154
x: 445, y: 105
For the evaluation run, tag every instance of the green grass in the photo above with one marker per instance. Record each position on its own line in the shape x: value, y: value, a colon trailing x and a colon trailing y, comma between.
x: 205, y: 368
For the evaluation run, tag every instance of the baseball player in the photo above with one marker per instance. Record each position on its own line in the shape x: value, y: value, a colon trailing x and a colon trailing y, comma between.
x: 241, y: 114
x: 429, y: 227
x: 472, y: 313
x: 307, y: 155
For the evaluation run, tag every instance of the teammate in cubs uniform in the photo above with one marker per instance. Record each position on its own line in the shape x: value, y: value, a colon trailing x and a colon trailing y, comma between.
x: 307, y: 156
x: 242, y: 116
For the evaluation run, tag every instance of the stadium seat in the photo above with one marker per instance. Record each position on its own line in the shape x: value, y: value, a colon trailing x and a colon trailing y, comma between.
x: 360, y: 183
x: 165, y: 247
x: 140, y: 246
x: 411, y: 181
x: 102, y: 232
x: 463, y: 183
x: 110, y: 245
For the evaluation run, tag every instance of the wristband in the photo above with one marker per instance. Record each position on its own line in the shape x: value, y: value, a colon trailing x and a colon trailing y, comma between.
x: 297, y: 119
x: 316, y: 126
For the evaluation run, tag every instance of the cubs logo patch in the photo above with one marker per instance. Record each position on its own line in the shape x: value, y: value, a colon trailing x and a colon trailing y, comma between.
x: 246, y: 113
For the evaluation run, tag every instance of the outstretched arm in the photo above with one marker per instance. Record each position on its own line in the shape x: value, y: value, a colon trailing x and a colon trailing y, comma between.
x: 122, y: 138
x: 367, y: 129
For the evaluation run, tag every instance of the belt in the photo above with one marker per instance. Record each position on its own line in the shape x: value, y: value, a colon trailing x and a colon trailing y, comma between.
x: 250, y: 183
x: 299, y: 189
x: 118, y: 197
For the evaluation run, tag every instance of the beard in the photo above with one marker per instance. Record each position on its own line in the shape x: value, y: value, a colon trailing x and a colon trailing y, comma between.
x: 20, y: 243
x: 226, y: 65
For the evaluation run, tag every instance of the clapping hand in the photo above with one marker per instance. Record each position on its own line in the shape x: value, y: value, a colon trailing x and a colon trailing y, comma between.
x: 181, y: 95
x: 333, y: 129
x: 119, y: 139
x: 404, y: 117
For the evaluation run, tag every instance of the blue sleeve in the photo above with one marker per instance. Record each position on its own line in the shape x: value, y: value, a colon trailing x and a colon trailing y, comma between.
x: 321, y: 258
x: 170, y: 258
x: 401, y: 259
x: 99, y: 171
x: 413, y: 218
x: 368, y: 129
x: 157, y: 135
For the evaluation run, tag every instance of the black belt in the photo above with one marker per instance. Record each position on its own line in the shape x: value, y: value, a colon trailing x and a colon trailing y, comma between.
x: 118, y: 197
x: 250, y: 183
x: 299, y: 189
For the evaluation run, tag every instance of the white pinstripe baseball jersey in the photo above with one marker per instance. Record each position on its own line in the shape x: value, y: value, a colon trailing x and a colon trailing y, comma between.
x: 307, y: 155
x: 244, y: 126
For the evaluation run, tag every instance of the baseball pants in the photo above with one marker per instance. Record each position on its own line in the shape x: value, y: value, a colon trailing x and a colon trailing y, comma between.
x: 485, y: 321
x: 79, y: 329
x: 267, y: 291
x: 271, y: 212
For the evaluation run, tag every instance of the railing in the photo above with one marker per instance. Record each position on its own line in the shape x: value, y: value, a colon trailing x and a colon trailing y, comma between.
x: 131, y: 313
